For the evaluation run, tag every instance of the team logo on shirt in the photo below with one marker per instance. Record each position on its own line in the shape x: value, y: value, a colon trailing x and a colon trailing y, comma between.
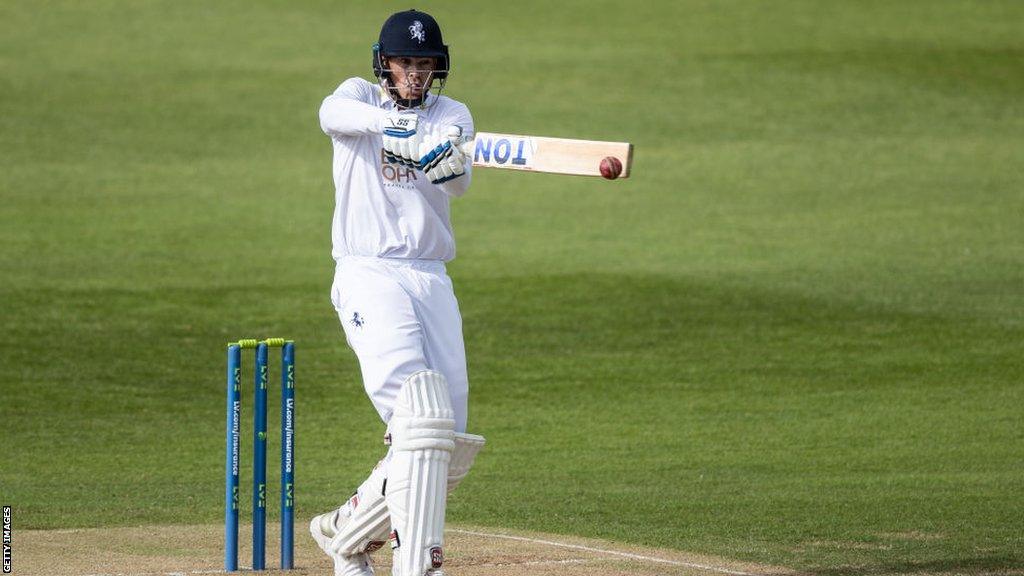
x: 357, y: 320
x: 417, y: 31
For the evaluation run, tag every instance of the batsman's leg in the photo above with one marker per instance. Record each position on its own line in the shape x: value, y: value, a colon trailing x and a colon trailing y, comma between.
x: 422, y: 430
x: 350, y: 533
x: 361, y: 525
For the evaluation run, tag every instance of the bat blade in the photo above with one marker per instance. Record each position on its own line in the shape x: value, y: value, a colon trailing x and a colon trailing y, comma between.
x: 543, y: 154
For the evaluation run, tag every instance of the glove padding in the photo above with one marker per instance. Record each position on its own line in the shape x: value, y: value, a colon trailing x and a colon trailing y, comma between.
x: 401, y: 140
x: 441, y: 159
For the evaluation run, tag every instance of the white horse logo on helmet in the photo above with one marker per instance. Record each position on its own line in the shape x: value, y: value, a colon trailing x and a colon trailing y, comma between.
x: 417, y: 31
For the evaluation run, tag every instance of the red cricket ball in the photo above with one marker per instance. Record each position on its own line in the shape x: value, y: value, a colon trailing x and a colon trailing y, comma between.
x: 611, y: 167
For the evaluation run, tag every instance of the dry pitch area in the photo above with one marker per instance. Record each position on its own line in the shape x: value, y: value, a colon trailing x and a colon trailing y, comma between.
x: 185, y: 550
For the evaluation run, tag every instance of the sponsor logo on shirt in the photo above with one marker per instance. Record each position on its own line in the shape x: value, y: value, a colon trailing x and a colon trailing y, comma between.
x: 395, y: 173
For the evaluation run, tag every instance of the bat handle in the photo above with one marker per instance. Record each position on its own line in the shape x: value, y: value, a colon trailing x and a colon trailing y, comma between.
x: 468, y: 147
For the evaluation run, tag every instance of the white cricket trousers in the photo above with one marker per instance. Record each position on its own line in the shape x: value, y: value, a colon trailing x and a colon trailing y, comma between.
x: 400, y: 316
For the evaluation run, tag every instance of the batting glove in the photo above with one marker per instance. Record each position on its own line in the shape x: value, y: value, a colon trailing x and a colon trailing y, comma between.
x: 401, y: 140
x: 442, y: 159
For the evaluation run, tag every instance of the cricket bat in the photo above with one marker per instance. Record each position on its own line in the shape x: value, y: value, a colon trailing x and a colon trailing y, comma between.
x: 554, y: 155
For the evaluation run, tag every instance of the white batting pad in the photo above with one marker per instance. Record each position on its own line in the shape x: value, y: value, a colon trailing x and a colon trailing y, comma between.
x: 466, y: 447
x: 367, y: 527
x: 422, y: 429
x: 369, y: 522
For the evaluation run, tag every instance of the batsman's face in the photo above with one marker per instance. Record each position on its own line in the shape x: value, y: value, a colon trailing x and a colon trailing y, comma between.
x: 411, y: 76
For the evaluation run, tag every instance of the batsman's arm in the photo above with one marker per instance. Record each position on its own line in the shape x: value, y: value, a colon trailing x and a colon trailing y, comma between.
x: 346, y: 112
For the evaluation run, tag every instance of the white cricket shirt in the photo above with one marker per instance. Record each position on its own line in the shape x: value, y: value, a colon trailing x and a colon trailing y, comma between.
x: 381, y: 209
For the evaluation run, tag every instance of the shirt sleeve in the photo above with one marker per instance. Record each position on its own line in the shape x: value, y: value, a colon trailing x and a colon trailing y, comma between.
x: 460, y: 117
x: 349, y: 112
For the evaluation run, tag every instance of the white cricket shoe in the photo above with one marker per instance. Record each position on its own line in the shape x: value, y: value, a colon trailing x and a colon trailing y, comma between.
x: 323, y: 528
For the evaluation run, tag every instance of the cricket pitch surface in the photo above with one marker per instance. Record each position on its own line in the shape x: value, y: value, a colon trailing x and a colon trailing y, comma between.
x: 469, y: 551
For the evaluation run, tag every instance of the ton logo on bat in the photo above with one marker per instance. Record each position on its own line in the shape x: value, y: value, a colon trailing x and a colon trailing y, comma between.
x: 517, y: 152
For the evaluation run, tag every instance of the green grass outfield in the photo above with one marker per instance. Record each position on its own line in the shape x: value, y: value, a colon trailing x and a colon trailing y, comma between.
x: 795, y: 336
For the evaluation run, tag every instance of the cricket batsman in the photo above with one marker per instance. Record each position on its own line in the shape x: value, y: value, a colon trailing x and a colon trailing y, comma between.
x: 396, y: 165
